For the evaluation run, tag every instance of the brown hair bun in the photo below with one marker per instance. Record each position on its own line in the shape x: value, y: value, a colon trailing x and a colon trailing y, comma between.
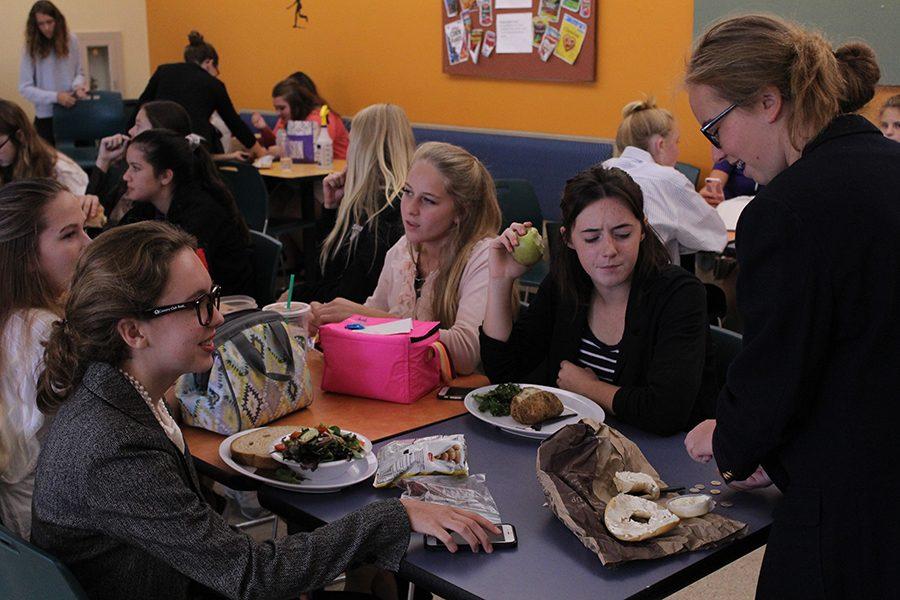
x: 859, y: 68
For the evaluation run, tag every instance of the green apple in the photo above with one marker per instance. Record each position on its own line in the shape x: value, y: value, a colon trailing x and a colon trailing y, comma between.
x: 530, y: 248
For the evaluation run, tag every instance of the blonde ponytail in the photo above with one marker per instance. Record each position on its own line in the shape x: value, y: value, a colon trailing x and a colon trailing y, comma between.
x: 641, y: 120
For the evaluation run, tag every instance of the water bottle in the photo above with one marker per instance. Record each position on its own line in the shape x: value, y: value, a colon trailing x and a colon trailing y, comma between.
x: 324, y: 145
x: 281, y: 142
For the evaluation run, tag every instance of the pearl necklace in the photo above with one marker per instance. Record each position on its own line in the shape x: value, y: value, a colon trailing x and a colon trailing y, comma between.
x: 139, y: 387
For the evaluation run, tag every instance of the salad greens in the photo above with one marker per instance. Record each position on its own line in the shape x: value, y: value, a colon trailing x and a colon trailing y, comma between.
x: 310, y: 446
x: 497, y: 400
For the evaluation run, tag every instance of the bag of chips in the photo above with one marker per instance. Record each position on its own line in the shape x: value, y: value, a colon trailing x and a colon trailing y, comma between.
x: 434, y: 455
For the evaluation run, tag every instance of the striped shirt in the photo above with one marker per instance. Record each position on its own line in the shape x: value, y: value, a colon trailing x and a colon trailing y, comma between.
x: 600, y: 358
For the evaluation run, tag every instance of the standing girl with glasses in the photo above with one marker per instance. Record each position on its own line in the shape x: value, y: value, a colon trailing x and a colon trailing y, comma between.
x: 172, y: 178
x: 41, y: 237
x: 117, y: 498
x: 50, y: 71
x: 808, y: 404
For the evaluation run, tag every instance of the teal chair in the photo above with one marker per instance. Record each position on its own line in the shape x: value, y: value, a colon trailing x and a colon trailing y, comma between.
x: 27, y: 572
x: 250, y: 194
x: 726, y: 344
x: 100, y: 115
x: 518, y: 204
x: 266, y: 258
x: 689, y: 171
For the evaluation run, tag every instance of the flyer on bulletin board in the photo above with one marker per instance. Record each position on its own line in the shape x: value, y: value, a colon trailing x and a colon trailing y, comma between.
x: 457, y: 48
x: 571, y: 38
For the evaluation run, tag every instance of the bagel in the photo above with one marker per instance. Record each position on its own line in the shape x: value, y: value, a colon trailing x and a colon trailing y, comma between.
x: 690, y: 506
x: 620, y: 514
x: 636, y: 484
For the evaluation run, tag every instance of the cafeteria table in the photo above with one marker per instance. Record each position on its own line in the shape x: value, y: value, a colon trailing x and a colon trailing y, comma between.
x: 549, y: 562
x: 374, y: 419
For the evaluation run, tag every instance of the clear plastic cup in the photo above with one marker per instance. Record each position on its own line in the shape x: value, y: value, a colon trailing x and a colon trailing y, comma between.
x: 232, y: 304
x: 297, y: 315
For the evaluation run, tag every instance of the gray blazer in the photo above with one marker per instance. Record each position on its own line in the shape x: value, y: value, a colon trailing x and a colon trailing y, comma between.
x: 117, y: 502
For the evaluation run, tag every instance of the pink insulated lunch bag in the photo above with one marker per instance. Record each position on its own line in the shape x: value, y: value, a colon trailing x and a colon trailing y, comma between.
x: 401, y: 367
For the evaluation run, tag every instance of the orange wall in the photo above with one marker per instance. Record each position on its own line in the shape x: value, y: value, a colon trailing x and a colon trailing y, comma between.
x: 364, y: 51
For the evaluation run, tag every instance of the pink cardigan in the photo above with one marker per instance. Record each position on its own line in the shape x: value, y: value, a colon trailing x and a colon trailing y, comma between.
x: 395, y: 294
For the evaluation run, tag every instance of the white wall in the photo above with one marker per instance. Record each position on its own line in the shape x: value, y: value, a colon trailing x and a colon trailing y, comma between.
x: 127, y: 16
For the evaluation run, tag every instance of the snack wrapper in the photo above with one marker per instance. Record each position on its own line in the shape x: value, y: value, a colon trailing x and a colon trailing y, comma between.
x: 469, y: 493
x: 433, y: 455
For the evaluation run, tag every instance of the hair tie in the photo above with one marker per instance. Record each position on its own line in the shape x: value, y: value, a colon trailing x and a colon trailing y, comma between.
x: 194, y: 140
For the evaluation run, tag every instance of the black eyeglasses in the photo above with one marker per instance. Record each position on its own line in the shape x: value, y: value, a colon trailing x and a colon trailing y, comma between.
x: 713, y: 136
x: 204, y: 306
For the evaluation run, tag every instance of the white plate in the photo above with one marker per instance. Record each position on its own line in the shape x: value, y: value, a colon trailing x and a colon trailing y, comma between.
x: 572, y: 402
x: 355, y: 474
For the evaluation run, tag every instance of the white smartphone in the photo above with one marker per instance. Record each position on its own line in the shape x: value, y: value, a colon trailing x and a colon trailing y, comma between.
x: 506, y: 539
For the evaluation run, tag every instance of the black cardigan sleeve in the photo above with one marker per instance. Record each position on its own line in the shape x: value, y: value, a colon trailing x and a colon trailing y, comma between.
x: 226, y: 110
x: 662, y: 402
x: 106, y: 185
x: 529, y: 342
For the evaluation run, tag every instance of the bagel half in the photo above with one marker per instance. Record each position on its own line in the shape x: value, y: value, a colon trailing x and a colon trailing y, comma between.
x: 628, y: 482
x: 619, y: 520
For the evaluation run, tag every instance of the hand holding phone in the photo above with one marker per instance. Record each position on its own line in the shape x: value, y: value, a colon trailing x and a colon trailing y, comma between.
x: 505, y: 539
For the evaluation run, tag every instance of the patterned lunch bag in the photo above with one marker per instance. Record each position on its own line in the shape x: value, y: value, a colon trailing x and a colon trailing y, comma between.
x: 259, y: 374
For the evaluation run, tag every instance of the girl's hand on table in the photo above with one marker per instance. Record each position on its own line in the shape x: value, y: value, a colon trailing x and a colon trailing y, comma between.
x: 759, y: 479
x: 438, y: 520
x: 501, y: 263
x: 698, y: 442
x: 575, y: 379
x: 333, y: 189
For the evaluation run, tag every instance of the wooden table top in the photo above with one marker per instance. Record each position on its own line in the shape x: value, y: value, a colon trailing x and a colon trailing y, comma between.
x: 374, y: 419
x: 302, y: 170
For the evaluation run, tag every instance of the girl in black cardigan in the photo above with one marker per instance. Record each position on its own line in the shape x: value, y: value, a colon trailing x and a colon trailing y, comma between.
x: 171, y: 178
x: 614, y: 321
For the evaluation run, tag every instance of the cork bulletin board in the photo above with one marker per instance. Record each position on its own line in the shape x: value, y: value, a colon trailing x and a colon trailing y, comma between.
x: 543, y: 40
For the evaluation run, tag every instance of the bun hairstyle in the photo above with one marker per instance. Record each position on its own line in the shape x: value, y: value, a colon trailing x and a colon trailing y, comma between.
x: 477, y: 212
x: 641, y: 120
x: 739, y: 56
x: 593, y: 184
x: 190, y: 164
x: 34, y: 157
x: 36, y: 44
x: 121, y: 274
x: 198, y: 51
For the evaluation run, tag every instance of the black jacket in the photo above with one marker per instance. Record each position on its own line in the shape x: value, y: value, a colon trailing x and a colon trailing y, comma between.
x: 667, y: 374
x: 814, y: 394
x: 121, y: 506
x: 354, y: 276
x: 200, y: 94
x: 229, y: 253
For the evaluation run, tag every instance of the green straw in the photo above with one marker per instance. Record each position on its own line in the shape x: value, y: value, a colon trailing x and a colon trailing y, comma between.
x: 290, y: 291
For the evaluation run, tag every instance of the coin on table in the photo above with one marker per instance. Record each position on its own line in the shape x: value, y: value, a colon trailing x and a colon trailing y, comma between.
x: 699, y: 486
x: 714, y: 492
x: 715, y: 482
x: 694, y: 490
x: 727, y: 504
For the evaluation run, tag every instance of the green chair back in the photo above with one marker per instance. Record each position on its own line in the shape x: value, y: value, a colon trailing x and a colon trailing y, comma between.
x: 518, y: 202
x: 100, y: 115
x: 27, y: 572
x: 266, y: 256
x: 689, y: 171
x: 249, y: 191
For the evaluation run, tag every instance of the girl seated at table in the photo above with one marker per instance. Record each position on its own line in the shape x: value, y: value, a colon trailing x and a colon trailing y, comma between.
x: 171, y: 178
x: 438, y: 269
x: 614, y: 320
x: 106, y: 176
x: 25, y: 155
x: 116, y: 497
x: 41, y: 237
x: 367, y: 194
x: 294, y: 102
x: 647, y: 149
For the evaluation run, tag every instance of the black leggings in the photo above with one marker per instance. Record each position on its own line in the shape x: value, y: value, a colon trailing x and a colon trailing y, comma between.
x: 45, y: 129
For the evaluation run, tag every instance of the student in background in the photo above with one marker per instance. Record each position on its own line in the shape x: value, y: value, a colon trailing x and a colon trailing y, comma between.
x: 438, y: 269
x: 889, y: 118
x: 808, y: 403
x: 25, y: 155
x: 367, y: 194
x: 614, y: 320
x: 117, y: 498
x: 50, y: 72
x: 106, y: 176
x: 293, y: 102
x: 194, y: 84
x: 172, y: 178
x: 41, y: 237
x: 731, y: 182
x: 647, y: 149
